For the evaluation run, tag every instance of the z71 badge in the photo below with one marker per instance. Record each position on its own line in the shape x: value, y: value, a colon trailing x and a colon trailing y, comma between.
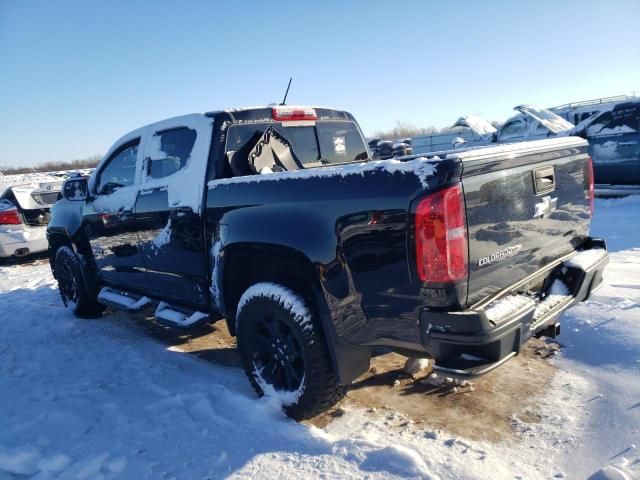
x: 500, y: 255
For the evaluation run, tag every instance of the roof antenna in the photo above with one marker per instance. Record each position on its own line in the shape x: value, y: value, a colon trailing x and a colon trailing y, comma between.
x: 284, y: 100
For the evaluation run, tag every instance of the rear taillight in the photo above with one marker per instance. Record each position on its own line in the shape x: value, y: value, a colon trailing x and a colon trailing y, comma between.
x: 591, y: 185
x: 10, y: 217
x: 287, y: 114
x: 441, y: 237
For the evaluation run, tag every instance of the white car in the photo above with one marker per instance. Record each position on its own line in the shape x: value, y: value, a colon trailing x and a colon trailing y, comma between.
x: 25, y: 202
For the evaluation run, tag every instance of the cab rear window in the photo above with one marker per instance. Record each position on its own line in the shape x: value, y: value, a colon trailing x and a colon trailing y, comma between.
x: 327, y: 142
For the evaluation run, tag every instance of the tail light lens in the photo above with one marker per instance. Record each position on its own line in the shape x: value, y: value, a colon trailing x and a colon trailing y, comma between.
x: 591, y: 185
x: 10, y: 217
x: 441, y: 237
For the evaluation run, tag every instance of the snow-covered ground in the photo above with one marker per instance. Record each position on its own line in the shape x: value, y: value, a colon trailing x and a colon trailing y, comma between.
x: 85, y: 399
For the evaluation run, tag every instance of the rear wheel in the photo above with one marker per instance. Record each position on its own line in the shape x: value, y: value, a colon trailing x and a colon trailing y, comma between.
x: 73, y: 291
x: 283, y: 353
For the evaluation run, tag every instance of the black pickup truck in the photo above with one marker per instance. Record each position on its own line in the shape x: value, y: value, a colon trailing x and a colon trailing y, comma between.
x: 276, y: 219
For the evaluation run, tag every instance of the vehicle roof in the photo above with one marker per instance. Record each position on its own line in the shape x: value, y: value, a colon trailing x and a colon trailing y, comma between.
x: 264, y: 113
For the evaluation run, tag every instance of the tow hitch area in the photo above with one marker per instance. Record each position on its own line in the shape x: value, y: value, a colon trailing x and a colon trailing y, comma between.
x: 476, y: 341
x: 552, y: 331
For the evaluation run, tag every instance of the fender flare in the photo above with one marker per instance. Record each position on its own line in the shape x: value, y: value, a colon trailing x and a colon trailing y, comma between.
x: 259, y: 262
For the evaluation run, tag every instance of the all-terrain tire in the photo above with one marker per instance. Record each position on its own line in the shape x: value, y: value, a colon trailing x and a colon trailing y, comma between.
x: 72, y: 287
x: 294, y: 333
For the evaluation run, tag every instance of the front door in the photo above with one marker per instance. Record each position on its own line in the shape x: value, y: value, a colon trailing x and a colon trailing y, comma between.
x: 109, y: 220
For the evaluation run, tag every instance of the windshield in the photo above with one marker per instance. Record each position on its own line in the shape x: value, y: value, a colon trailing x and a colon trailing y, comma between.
x: 326, y: 142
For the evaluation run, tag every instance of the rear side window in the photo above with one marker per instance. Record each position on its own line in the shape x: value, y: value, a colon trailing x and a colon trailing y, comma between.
x: 304, y: 142
x: 120, y: 170
x: 340, y: 142
x: 170, y: 151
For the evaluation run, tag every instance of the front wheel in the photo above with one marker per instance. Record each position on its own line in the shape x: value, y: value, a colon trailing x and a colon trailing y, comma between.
x: 283, y: 353
x: 73, y: 291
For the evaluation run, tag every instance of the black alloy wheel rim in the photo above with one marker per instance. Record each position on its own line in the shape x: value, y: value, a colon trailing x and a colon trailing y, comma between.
x: 277, y: 354
x: 68, y: 284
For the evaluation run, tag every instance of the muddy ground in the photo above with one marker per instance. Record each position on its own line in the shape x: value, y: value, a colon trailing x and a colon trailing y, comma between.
x: 483, y: 414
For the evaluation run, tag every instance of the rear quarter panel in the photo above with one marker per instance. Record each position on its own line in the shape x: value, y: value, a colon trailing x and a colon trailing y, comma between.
x: 352, y: 229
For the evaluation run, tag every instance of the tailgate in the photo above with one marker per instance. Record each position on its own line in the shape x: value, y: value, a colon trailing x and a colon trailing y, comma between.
x: 527, y: 206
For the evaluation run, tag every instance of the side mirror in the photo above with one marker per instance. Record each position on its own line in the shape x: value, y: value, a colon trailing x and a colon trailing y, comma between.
x: 75, y: 189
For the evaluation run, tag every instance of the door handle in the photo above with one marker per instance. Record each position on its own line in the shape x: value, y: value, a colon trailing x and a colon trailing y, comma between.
x: 544, y: 180
x: 181, y: 212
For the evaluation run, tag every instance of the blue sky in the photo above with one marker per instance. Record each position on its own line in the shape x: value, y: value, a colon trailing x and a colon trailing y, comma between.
x: 76, y: 75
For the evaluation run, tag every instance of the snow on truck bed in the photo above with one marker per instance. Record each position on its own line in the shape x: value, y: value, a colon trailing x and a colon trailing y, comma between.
x: 86, y: 399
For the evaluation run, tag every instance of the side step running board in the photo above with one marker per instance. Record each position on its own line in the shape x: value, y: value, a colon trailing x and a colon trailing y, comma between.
x: 114, y: 299
x: 174, y: 318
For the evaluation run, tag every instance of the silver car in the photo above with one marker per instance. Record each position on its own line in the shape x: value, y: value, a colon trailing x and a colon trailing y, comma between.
x: 25, y: 202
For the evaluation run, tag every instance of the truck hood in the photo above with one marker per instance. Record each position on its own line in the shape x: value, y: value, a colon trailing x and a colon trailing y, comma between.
x: 477, y: 125
x: 554, y: 123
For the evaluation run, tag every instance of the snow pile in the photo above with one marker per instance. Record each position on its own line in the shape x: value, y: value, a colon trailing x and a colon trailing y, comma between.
x: 421, y: 167
x: 285, y: 297
x: 163, y: 238
x: 558, y: 295
x: 502, y: 309
x: 215, y: 260
x: 586, y: 258
x: 618, y: 129
x: 102, y: 399
x: 415, y: 365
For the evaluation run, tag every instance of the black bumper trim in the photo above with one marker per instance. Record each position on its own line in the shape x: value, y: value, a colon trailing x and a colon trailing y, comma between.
x: 450, y: 337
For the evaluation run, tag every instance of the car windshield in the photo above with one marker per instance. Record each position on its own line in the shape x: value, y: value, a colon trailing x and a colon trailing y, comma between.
x: 326, y: 142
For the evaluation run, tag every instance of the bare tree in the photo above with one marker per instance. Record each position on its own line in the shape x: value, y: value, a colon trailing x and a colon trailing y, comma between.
x: 405, y: 130
x: 88, y: 162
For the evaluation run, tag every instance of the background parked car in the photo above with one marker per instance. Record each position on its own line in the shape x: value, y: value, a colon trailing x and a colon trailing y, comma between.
x: 402, y: 148
x: 614, y: 143
x: 384, y: 149
x: 25, y: 202
x: 577, y: 112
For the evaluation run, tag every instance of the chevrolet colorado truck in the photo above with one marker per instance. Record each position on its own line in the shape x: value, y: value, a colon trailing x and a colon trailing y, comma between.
x: 276, y: 220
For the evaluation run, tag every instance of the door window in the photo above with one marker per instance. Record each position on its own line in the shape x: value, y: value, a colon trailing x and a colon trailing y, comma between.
x: 170, y: 151
x: 512, y: 130
x: 540, y: 130
x: 622, y: 119
x: 120, y: 169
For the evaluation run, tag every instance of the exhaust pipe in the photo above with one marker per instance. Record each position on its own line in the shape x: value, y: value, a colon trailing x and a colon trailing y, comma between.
x: 21, y: 252
x: 551, y: 331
